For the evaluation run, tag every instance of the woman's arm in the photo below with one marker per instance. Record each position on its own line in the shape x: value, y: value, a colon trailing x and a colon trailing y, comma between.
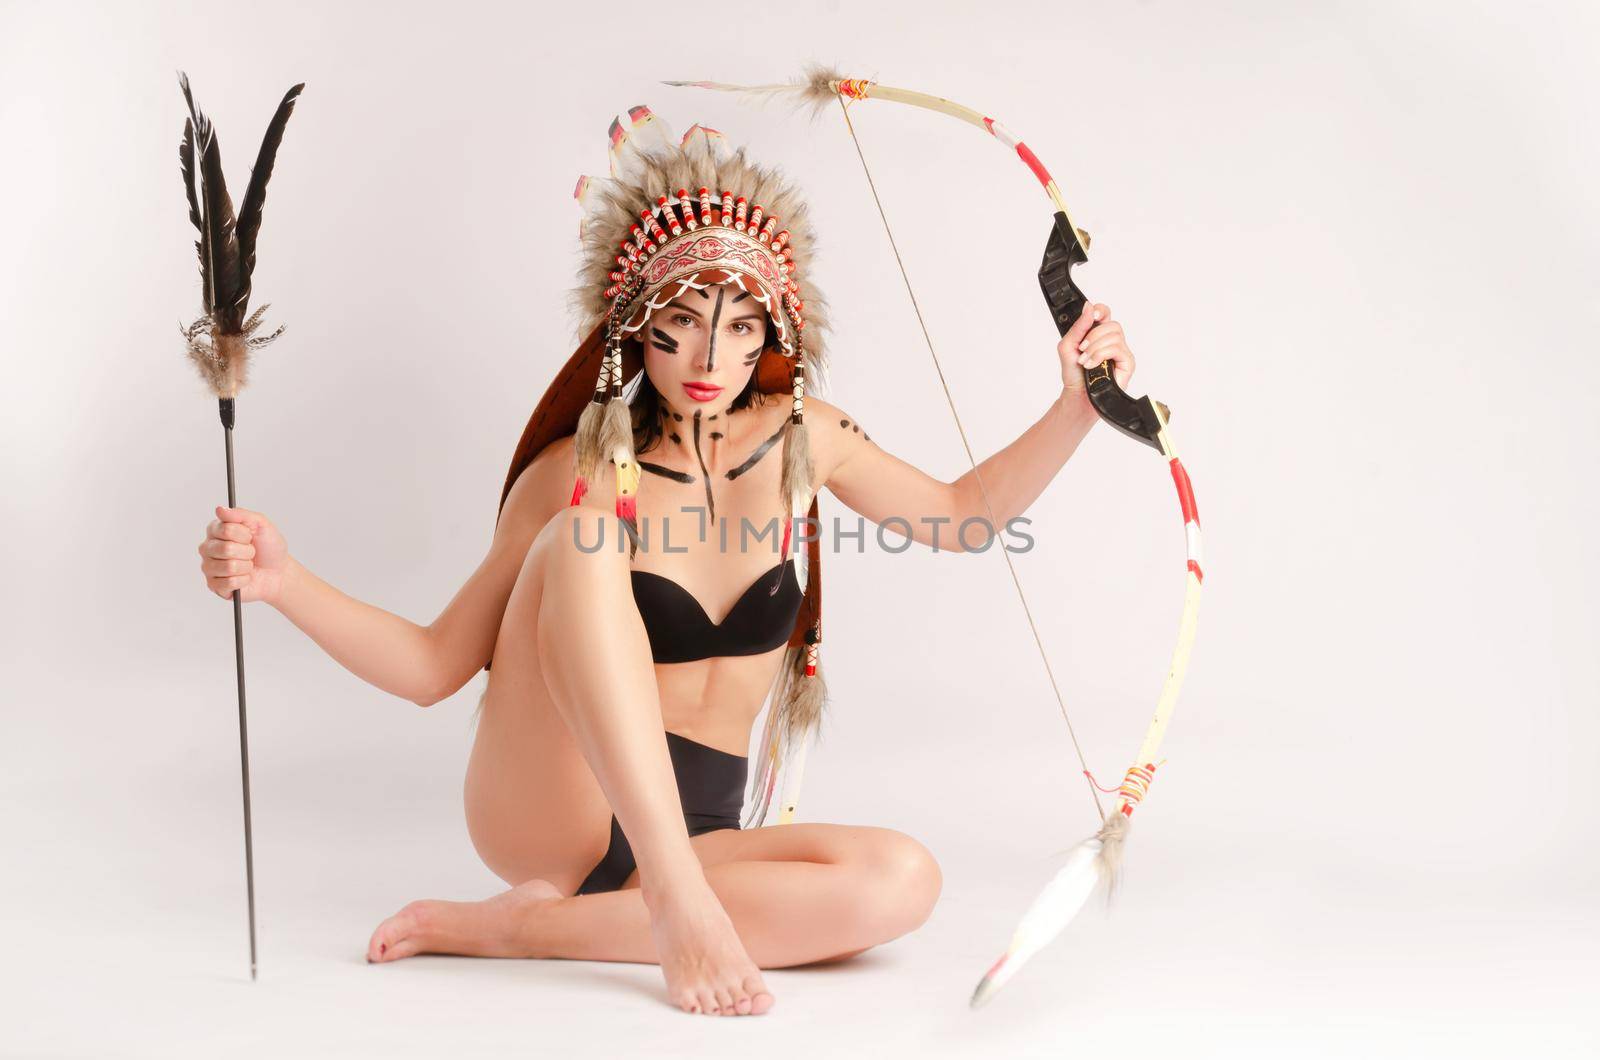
x: 426, y: 664
x: 880, y: 486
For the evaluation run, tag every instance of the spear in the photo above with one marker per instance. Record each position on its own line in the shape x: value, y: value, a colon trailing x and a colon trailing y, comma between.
x: 221, y: 340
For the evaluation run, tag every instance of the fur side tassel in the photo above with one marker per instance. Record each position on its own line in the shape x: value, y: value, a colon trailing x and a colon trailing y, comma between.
x: 1113, y: 836
x: 586, y: 444
x: 795, y: 715
x: 794, y: 488
x: 802, y: 715
x: 615, y: 441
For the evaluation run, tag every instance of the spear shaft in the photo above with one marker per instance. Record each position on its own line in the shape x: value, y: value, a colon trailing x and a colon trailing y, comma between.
x: 225, y: 408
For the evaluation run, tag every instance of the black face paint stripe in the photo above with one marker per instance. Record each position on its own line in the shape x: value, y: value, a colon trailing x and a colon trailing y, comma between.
x: 716, y: 316
x: 760, y: 452
x: 711, y: 502
x: 741, y: 296
x: 666, y: 472
x: 663, y: 341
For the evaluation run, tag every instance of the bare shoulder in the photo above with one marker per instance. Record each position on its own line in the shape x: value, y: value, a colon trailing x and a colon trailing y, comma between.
x: 542, y: 490
x: 835, y: 435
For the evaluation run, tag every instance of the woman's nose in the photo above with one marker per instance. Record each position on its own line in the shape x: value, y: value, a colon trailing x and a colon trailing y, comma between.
x: 706, y: 361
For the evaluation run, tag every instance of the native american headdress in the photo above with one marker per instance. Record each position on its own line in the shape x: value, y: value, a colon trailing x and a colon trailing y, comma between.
x: 678, y: 215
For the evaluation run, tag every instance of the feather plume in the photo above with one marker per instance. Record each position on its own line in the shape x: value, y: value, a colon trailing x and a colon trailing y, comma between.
x: 220, y: 341
x: 186, y: 163
x: 1091, y: 861
x: 809, y: 93
x: 255, y: 195
x: 1047, y: 917
x: 221, y: 267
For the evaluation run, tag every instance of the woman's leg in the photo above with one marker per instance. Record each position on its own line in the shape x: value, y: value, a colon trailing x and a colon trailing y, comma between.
x: 582, y: 655
x: 798, y: 894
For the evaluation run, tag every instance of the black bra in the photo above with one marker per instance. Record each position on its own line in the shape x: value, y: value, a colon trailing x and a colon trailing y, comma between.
x: 681, y: 631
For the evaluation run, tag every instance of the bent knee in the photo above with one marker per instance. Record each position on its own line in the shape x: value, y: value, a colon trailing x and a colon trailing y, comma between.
x: 902, y: 882
x: 578, y: 536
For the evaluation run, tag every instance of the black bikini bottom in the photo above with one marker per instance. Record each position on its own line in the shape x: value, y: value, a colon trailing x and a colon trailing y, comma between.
x: 711, y: 788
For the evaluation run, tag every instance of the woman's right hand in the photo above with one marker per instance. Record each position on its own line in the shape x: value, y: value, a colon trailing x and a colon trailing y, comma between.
x: 243, y: 550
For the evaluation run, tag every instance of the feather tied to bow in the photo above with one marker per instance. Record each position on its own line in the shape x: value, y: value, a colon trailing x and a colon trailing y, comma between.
x: 220, y: 341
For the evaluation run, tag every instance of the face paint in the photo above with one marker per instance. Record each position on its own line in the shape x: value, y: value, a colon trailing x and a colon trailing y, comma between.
x: 711, y: 502
x: 716, y: 318
x: 662, y: 341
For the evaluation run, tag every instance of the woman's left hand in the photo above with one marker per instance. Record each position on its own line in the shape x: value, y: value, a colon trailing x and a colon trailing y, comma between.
x: 1094, y: 339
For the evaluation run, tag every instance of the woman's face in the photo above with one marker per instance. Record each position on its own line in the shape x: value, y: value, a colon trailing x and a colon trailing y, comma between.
x: 700, y: 348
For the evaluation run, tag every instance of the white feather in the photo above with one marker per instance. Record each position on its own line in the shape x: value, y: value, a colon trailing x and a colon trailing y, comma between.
x: 1048, y: 916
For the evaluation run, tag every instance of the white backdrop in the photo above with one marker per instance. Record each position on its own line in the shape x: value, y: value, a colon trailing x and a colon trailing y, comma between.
x: 1354, y: 249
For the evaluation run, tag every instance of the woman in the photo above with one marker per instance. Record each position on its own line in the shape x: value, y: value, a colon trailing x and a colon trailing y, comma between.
x: 607, y: 774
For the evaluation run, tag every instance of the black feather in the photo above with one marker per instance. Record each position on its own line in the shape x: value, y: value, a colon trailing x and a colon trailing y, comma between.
x: 186, y: 161
x: 219, y: 239
x: 255, y: 196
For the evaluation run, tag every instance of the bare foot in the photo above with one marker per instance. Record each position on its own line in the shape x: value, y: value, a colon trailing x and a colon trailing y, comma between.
x: 493, y: 927
x: 705, y: 965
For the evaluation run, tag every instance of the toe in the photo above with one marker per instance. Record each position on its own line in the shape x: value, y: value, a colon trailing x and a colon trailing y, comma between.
x: 708, y: 1002
x: 389, y: 935
x: 741, y: 1003
x: 725, y: 1002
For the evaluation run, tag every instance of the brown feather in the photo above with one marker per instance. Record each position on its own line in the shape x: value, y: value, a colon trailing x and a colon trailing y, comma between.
x: 255, y: 195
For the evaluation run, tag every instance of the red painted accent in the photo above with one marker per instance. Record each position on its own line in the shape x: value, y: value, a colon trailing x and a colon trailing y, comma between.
x: 996, y: 966
x: 1199, y: 575
x: 1033, y: 163
x: 628, y: 508
x: 579, y: 488
x: 1180, y: 478
x: 787, y: 527
x: 811, y: 671
x: 1127, y: 811
x: 988, y: 123
x: 1096, y: 783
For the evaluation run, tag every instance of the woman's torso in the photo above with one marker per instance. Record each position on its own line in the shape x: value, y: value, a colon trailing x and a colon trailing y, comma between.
x: 708, y: 575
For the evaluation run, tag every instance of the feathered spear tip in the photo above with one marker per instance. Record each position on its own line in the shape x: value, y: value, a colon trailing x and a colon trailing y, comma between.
x: 221, y: 339
x: 1095, y: 859
x: 810, y: 92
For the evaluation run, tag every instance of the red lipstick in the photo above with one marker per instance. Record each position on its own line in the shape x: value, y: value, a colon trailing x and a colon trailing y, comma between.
x: 702, y: 391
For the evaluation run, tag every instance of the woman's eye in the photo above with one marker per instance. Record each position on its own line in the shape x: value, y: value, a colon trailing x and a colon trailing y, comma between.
x: 683, y: 320
x: 743, y: 324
